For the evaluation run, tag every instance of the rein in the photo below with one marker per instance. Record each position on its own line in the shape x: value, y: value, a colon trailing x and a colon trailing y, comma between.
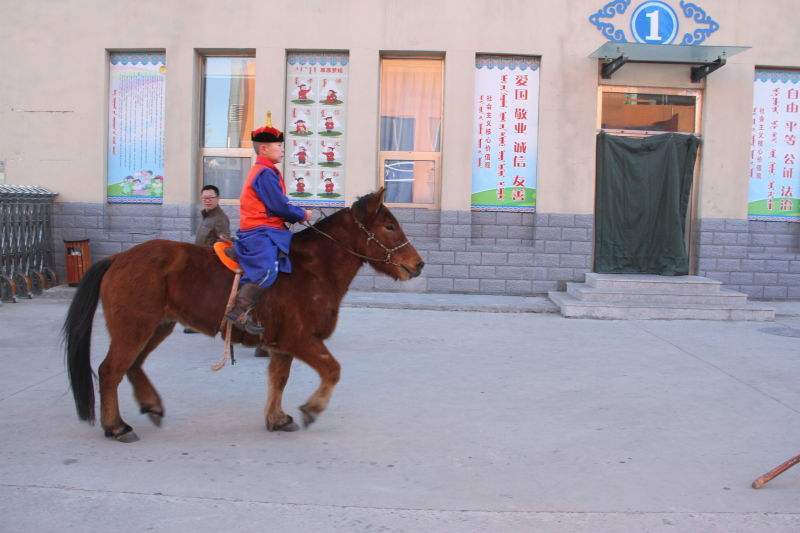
x: 226, y: 325
x: 370, y: 237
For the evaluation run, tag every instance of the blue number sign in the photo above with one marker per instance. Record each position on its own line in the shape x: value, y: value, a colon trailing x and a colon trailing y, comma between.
x: 654, y: 23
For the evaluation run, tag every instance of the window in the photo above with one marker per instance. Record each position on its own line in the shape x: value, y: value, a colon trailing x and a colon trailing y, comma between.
x: 228, y: 94
x: 411, y: 129
x: 647, y: 111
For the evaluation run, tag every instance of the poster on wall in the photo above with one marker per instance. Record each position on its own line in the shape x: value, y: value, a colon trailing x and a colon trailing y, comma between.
x: 316, y: 109
x: 135, y: 171
x: 775, y: 147
x: 505, y: 139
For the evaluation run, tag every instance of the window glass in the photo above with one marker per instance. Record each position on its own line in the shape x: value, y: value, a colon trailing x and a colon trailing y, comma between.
x: 227, y: 173
x: 401, y: 175
x: 648, y: 112
x: 226, y: 150
x: 229, y: 93
x: 411, y: 122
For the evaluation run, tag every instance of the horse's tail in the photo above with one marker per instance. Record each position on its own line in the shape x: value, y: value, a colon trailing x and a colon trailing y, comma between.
x: 77, y: 333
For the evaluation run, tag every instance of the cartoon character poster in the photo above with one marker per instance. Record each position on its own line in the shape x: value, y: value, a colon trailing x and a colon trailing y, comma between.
x: 301, y: 183
x: 300, y: 121
x: 316, y: 111
x: 330, y: 153
x: 302, y: 90
x: 136, y: 111
x: 299, y: 152
x: 332, y: 91
x: 329, y: 184
x: 330, y: 122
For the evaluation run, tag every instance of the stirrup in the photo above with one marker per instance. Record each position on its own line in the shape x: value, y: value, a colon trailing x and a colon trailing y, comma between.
x: 244, y: 322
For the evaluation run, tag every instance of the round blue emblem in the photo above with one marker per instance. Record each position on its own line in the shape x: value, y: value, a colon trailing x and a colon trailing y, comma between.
x: 654, y: 23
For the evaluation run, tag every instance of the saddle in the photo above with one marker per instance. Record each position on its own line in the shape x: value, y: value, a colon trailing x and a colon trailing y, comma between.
x: 226, y: 253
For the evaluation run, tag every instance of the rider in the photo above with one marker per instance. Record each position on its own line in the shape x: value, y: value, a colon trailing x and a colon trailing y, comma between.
x: 263, y: 239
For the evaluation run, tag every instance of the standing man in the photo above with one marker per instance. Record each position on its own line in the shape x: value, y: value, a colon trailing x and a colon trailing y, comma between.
x: 214, y: 223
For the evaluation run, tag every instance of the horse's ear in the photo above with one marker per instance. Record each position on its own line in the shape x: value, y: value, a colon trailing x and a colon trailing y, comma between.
x: 359, y: 208
x: 367, y: 206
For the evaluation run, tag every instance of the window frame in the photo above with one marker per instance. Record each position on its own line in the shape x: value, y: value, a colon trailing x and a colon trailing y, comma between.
x: 436, y: 157
x: 383, y: 155
x: 698, y: 109
x: 202, y: 151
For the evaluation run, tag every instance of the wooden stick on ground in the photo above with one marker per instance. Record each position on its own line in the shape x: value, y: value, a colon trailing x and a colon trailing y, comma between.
x: 775, y: 472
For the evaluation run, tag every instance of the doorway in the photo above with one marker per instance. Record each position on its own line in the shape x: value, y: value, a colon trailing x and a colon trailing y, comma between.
x: 638, y: 114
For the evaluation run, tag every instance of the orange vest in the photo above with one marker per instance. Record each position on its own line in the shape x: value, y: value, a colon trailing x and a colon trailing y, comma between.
x: 253, y: 212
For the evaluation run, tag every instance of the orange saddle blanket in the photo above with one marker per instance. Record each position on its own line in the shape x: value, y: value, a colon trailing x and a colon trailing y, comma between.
x: 226, y: 254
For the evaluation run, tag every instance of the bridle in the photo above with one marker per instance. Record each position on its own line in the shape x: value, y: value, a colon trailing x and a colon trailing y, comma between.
x: 370, y: 237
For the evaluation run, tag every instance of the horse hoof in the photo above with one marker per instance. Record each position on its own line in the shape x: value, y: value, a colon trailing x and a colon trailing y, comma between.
x: 154, y: 414
x: 308, y: 417
x: 126, y: 435
x: 288, y: 426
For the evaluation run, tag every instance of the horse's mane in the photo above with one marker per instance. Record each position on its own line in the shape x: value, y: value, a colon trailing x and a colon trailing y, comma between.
x: 329, y: 222
x: 325, y: 224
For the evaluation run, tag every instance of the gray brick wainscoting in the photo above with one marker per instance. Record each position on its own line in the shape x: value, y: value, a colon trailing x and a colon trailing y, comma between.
x: 113, y: 228
x: 467, y: 252
x: 478, y: 252
x: 492, y: 252
x: 760, y: 258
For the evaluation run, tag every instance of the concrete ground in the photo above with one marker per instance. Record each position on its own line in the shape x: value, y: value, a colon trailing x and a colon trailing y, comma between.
x: 443, y: 421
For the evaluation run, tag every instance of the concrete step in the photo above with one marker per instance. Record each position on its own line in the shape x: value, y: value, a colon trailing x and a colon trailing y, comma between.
x: 649, y: 283
x: 571, y: 307
x: 724, y: 298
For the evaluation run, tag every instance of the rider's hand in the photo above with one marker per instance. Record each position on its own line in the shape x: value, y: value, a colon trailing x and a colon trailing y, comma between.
x: 309, y: 215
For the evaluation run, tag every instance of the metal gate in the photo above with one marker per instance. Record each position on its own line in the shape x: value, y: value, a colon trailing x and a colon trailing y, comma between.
x: 26, y: 241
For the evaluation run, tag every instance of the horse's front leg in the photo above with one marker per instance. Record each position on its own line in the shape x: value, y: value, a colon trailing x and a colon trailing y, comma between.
x: 278, y: 373
x: 317, y: 356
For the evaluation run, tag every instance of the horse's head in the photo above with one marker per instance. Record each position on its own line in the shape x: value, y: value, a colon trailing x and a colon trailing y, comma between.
x: 383, y: 239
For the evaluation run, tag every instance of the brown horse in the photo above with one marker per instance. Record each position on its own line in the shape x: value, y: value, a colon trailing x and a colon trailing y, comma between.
x: 150, y: 287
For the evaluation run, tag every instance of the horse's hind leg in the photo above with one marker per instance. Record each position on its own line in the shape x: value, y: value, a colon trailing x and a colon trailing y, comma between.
x: 317, y: 356
x: 279, y: 366
x: 122, y: 354
x: 143, y: 390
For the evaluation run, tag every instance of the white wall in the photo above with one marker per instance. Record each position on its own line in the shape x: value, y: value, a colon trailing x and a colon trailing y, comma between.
x: 53, y: 92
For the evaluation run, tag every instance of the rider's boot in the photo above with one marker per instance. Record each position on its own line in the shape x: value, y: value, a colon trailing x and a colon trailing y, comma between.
x: 246, y: 300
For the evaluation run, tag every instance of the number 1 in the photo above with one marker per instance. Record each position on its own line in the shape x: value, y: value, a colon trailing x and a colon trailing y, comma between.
x: 654, y: 36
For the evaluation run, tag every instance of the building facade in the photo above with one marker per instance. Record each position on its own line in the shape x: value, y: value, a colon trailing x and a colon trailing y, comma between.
x: 480, y: 119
